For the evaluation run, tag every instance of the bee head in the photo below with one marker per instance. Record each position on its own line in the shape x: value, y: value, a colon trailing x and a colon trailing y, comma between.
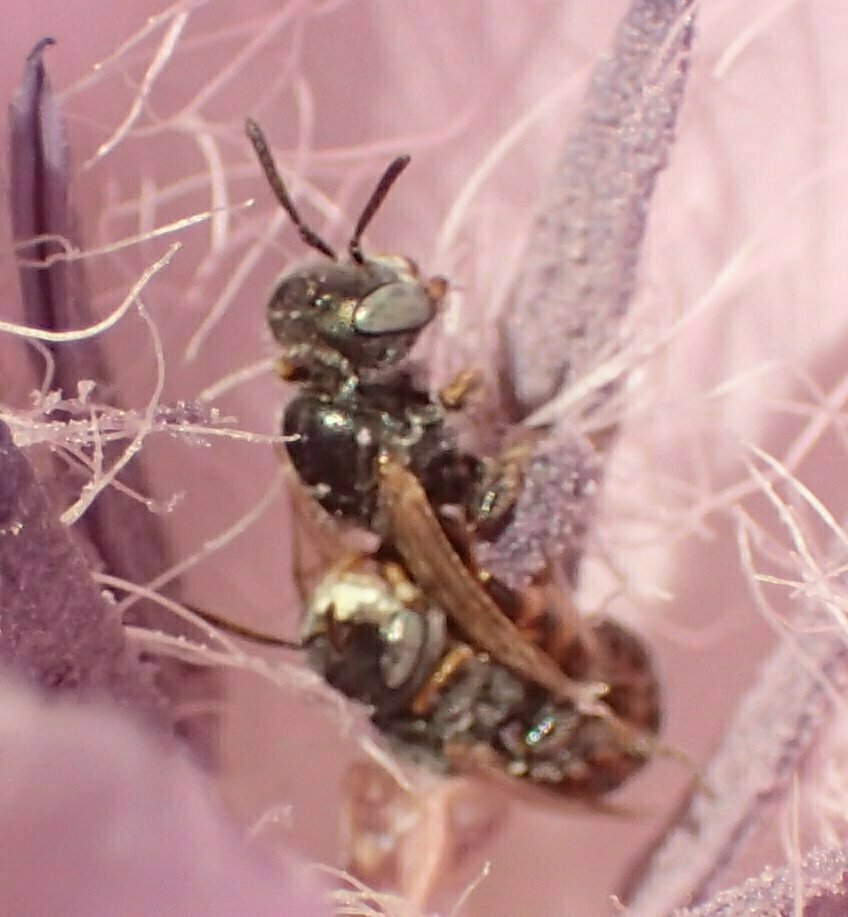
x: 365, y: 642
x: 359, y: 314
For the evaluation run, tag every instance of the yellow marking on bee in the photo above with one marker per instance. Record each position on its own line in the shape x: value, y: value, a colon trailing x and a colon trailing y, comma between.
x: 402, y: 586
x: 454, y: 395
x: 445, y: 670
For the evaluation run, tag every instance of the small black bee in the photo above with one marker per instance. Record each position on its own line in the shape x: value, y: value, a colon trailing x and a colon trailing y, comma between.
x: 359, y: 416
x: 465, y: 676
x: 444, y: 704
x: 343, y: 328
x: 438, y: 648
x: 344, y: 319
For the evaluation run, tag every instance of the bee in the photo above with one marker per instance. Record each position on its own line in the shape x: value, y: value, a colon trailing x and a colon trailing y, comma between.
x: 342, y: 328
x: 442, y: 702
x: 461, y: 673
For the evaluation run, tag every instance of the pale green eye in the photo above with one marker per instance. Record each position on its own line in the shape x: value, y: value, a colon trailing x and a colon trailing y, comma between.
x: 392, y: 309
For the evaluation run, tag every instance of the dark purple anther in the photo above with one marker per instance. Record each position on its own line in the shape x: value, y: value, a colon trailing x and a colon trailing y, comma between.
x: 584, y: 248
x: 55, y: 628
x: 125, y: 536
x: 768, y: 739
x: 39, y: 173
x: 123, y: 533
x: 579, y: 277
x: 552, y: 512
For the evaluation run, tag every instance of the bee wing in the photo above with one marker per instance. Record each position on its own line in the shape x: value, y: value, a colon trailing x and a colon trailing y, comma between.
x: 440, y: 572
x: 319, y: 541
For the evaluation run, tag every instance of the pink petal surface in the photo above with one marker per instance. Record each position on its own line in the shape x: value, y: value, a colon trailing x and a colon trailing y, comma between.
x: 97, y: 819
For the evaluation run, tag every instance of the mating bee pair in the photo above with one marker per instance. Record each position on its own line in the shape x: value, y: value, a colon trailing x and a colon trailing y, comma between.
x: 461, y: 673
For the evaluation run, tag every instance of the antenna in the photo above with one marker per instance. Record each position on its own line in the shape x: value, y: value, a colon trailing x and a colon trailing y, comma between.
x: 377, y: 196
x: 241, y: 630
x: 266, y: 160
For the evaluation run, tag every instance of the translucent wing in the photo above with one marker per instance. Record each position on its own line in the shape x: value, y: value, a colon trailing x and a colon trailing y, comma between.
x: 441, y: 573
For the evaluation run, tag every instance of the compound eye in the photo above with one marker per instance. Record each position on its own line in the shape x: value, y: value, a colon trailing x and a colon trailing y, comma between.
x: 393, y: 308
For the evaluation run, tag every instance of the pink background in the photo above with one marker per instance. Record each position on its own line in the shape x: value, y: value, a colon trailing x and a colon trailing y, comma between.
x: 747, y: 234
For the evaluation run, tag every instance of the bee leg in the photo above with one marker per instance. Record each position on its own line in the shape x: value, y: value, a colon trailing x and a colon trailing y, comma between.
x: 445, y: 671
x: 335, y: 634
x: 403, y: 588
x: 408, y: 593
x: 492, y: 502
x: 454, y: 395
x: 242, y: 630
